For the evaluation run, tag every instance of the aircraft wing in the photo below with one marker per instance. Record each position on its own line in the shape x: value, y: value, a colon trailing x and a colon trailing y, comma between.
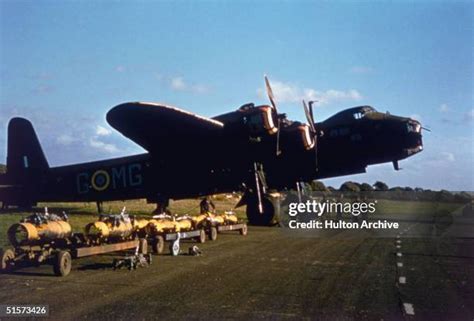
x: 163, y: 128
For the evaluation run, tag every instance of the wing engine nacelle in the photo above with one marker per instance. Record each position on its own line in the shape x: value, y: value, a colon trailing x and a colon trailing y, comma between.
x: 303, y: 134
x: 306, y: 137
x: 260, y: 120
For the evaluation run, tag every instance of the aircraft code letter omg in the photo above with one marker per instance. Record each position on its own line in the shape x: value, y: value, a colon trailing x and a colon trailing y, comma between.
x: 115, y: 178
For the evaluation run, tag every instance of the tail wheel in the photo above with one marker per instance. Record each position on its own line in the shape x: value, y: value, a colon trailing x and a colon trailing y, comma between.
x: 244, y: 230
x: 213, y: 233
x: 158, y: 245
x: 7, y: 257
x: 62, y: 263
x: 143, y: 246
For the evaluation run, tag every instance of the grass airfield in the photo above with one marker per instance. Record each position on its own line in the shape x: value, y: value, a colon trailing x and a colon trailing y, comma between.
x: 271, y: 273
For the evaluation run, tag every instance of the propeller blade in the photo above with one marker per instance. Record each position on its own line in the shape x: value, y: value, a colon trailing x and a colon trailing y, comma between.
x: 271, y: 97
x: 427, y: 129
x: 316, y: 152
x: 259, y: 193
x: 270, y: 94
x: 278, y: 150
x: 309, y: 118
x: 310, y: 103
x: 298, y: 190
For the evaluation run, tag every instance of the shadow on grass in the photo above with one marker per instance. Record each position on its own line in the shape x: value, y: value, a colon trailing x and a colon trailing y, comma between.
x: 56, y: 210
x: 96, y: 266
x: 27, y: 273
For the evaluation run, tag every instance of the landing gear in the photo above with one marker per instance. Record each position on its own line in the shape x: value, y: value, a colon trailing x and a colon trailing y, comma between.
x: 162, y: 204
x: 270, y: 209
x: 26, y: 205
x: 100, y: 208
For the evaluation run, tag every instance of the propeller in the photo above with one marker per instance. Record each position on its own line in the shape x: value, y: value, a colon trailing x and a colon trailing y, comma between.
x: 427, y: 129
x: 258, y: 190
x: 271, y: 97
x: 310, y: 118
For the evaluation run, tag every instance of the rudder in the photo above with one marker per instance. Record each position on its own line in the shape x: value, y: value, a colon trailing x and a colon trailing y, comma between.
x: 24, y: 152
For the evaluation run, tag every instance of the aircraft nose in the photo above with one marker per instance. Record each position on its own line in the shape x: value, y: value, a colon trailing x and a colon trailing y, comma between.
x: 414, y: 138
x: 413, y: 126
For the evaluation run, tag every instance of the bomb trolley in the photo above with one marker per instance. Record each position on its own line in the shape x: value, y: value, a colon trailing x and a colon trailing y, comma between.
x: 61, y: 254
x: 226, y: 222
x: 213, y: 230
x: 157, y: 241
x: 48, y: 238
x: 240, y: 227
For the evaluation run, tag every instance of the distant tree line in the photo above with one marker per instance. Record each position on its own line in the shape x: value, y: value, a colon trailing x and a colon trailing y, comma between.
x: 396, y: 193
x: 3, y: 169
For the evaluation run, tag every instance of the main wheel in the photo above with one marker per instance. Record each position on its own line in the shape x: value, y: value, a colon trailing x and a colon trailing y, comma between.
x: 270, y: 214
x: 7, y: 257
x: 213, y: 233
x: 62, y: 263
x: 143, y: 246
x: 158, y: 245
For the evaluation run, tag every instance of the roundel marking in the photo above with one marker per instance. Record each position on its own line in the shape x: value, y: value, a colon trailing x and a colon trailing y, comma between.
x: 100, y: 180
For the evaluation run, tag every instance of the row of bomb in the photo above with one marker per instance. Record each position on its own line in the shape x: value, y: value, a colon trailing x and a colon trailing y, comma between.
x: 48, y: 238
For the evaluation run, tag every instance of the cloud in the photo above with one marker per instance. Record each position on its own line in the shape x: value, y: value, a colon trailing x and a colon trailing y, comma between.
x: 444, y: 108
x: 65, y: 139
x: 96, y: 142
x: 179, y: 84
x: 102, y: 131
x: 290, y: 93
x: 120, y: 68
x: 42, y: 76
x: 360, y: 70
x: 447, y: 157
x: 43, y: 89
x: 456, y: 117
x: 469, y: 116
x: 109, y: 148
x: 200, y: 89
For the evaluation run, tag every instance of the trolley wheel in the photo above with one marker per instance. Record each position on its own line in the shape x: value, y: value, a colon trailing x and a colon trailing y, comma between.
x: 213, y: 233
x: 158, y: 245
x: 7, y: 257
x: 244, y: 230
x: 202, y: 236
x: 142, y: 246
x: 62, y: 263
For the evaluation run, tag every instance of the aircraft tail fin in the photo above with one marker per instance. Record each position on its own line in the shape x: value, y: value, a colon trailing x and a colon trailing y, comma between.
x: 24, y: 152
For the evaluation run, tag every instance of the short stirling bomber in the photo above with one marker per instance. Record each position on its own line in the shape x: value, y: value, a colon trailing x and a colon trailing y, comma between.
x: 254, y: 149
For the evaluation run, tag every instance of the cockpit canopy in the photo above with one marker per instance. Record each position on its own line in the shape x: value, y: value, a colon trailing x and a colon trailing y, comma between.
x: 349, y: 115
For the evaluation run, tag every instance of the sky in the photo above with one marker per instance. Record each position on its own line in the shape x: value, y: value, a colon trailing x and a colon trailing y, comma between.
x: 64, y: 64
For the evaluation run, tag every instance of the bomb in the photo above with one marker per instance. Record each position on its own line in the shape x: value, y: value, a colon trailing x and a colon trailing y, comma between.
x: 116, y: 227
x: 39, y: 228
